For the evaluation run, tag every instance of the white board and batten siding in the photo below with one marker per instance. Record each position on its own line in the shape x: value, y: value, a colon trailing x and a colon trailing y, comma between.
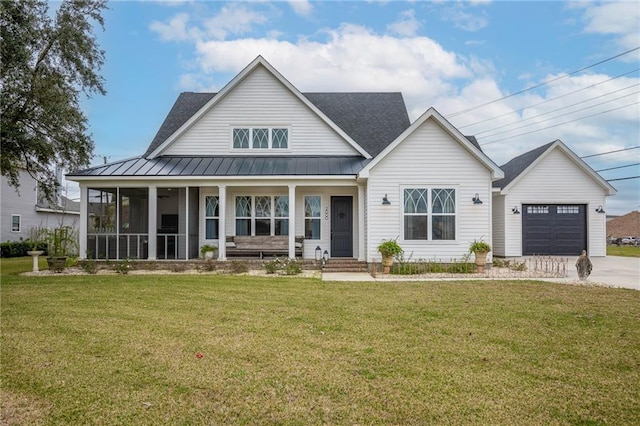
x: 260, y: 100
x: 555, y: 179
x: 428, y: 158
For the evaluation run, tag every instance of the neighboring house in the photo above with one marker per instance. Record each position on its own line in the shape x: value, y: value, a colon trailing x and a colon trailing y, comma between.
x: 25, y: 209
x: 344, y: 170
x: 549, y: 202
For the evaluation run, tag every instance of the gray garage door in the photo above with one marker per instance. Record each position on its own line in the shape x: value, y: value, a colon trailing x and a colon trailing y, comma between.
x: 554, y: 229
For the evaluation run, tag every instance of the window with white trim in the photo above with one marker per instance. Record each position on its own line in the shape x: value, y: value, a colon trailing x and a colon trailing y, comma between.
x: 567, y: 209
x: 15, y: 222
x: 312, y: 212
x: 260, y: 138
x: 429, y: 214
x: 211, y: 217
x: 262, y: 215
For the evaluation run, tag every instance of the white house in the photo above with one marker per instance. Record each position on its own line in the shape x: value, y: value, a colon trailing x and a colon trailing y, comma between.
x: 261, y: 159
x: 25, y: 209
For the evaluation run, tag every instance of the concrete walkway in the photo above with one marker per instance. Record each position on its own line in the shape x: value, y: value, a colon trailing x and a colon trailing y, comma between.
x: 610, y: 271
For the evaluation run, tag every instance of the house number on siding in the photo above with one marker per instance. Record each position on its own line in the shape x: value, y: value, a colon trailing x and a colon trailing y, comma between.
x: 326, y: 213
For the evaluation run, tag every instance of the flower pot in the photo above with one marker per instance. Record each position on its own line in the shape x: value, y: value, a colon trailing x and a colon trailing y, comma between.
x: 57, y: 263
x: 387, y: 263
x: 481, y: 260
x: 208, y: 254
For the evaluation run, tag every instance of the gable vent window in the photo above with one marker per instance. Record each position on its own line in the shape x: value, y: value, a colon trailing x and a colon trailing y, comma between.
x: 260, y: 138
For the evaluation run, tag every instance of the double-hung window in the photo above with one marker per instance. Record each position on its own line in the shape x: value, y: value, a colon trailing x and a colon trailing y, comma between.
x: 260, y: 138
x: 15, y: 223
x: 262, y: 215
x: 429, y: 213
x: 211, y: 216
x: 312, y: 217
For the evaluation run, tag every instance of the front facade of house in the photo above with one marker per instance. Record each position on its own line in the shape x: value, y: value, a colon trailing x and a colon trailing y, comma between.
x: 344, y: 170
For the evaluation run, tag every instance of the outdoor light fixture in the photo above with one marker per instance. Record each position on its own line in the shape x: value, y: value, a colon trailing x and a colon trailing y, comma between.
x: 476, y: 199
x: 325, y: 256
x: 600, y: 209
x: 318, y: 253
x: 515, y: 210
x: 385, y: 200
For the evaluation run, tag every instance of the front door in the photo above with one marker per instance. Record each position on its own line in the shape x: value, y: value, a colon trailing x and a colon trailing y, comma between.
x: 341, y: 226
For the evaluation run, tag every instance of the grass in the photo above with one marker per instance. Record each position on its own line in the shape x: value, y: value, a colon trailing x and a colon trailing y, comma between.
x: 627, y: 251
x: 122, y: 350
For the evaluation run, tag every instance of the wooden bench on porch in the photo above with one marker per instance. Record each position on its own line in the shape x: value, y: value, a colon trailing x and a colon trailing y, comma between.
x: 262, y: 246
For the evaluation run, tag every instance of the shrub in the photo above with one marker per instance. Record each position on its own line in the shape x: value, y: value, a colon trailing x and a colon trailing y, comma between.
x: 90, y: 266
x: 178, y: 267
x: 208, y: 266
x: 122, y: 267
x: 20, y: 248
x: 283, y: 266
x: 238, y: 266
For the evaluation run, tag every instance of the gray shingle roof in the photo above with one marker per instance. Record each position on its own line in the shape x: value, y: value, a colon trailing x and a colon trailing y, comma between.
x: 373, y: 120
x: 172, y: 166
x: 519, y: 164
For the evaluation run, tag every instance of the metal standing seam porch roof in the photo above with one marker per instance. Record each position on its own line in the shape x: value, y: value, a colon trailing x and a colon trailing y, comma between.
x: 203, y: 166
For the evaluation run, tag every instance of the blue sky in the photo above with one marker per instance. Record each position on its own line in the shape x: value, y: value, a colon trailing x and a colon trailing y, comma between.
x: 449, y: 55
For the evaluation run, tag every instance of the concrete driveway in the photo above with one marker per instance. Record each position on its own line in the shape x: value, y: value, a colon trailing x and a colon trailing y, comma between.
x: 612, y: 271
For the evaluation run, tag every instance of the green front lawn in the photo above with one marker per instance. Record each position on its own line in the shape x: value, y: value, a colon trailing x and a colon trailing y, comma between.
x: 627, y: 251
x: 123, y: 350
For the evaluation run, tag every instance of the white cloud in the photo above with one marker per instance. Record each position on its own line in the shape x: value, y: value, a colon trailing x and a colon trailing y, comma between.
x: 620, y: 19
x: 174, y: 30
x: 407, y: 25
x: 301, y: 7
x: 463, y: 19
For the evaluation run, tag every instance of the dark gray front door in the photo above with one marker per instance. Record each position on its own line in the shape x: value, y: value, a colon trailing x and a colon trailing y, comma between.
x: 554, y: 229
x: 341, y: 226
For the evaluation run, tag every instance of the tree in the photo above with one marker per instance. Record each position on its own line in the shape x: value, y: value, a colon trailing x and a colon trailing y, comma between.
x: 47, y: 63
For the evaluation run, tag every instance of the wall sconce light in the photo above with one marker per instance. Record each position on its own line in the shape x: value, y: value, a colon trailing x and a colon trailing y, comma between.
x: 385, y: 200
x: 600, y: 209
x: 515, y: 210
x: 476, y: 199
x: 318, y: 253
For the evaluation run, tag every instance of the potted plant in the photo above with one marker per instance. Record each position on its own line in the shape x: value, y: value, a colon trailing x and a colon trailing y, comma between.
x: 480, y: 249
x: 207, y: 251
x: 61, y: 242
x: 389, y: 249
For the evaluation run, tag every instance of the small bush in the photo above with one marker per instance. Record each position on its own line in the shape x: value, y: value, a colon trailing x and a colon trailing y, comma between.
x: 293, y: 267
x: 89, y: 266
x: 20, y: 248
x: 238, y: 267
x: 272, y: 266
x: 284, y: 266
x: 122, y: 267
x: 208, y: 266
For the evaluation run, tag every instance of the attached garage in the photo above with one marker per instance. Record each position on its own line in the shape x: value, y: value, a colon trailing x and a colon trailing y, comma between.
x: 550, y: 202
x: 554, y: 229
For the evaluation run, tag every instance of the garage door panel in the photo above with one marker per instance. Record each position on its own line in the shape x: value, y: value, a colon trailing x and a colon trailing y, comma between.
x: 554, y: 229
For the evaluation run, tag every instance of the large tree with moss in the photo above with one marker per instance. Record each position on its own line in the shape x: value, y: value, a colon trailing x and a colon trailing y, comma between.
x: 48, y: 63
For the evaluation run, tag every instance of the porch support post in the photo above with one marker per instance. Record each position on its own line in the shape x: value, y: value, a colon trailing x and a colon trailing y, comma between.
x: 84, y: 210
x: 361, y: 222
x: 292, y: 221
x: 153, y: 223
x: 222, y: 221
x: 186, y: 224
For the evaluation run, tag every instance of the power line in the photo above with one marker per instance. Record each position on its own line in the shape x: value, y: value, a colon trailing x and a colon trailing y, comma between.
x: 611, y: 152
x: 560, y: 124
x: 556, y: 110
x: 624, y: 178
x: 550, y: 100
x: 455, y: 114
x: 619, y: 167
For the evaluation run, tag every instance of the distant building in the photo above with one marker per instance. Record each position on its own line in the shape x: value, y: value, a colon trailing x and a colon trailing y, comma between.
x: 26, y: 208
